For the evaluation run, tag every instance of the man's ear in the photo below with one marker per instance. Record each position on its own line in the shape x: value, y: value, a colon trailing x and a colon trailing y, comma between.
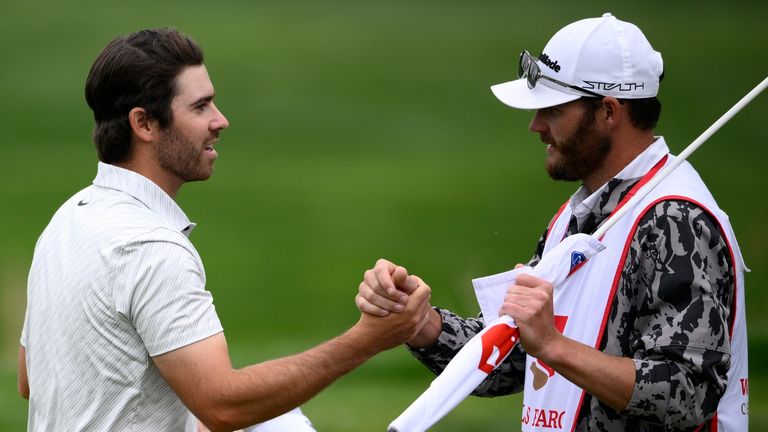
x: 143, y: 126
x: 612, y: 111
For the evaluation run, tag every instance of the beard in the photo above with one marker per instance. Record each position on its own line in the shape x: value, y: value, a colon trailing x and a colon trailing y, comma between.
x: 581, y: 153
x: 181, y: 156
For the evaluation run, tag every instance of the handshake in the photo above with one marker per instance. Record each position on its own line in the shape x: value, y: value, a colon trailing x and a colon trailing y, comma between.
x: 395, y: 308
x: 396, y: 305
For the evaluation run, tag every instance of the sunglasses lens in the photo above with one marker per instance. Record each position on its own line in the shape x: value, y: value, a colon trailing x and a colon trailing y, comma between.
x: 533, y: 74
x: 528, y: 69
x: 522, y: 67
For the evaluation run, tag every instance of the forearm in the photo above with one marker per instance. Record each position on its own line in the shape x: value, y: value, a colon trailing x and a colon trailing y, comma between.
x: 260, y: 392
x: 610, y: 379
x: 23, y: 382
x: 225, y: 399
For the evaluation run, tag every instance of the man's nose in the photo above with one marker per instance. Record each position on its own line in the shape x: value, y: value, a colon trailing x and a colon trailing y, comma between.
x: 219, y: 122
x: 537, y: 123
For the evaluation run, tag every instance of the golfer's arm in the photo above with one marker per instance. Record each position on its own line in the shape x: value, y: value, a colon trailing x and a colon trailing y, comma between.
x: 224, y: 398
x: 609, y: 378
x: 23, y: 380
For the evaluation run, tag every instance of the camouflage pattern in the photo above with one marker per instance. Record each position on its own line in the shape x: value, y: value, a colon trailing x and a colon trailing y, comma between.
x: 670, y: 314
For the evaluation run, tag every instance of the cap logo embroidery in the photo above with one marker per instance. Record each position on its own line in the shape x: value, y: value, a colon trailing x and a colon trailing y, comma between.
x: 624, y: 87
x: 550, y: 64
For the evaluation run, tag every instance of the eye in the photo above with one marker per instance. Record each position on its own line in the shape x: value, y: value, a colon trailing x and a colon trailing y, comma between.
x: 550, y: 111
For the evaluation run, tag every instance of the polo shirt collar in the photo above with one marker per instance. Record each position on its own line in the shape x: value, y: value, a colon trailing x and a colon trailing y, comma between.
x: 145, y: 191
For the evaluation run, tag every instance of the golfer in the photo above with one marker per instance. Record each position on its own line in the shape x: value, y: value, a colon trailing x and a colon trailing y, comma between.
x: 120, y: 333
x: 654, y: 338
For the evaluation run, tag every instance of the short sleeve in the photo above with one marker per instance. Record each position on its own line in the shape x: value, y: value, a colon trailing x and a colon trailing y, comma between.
x: 160, y: 290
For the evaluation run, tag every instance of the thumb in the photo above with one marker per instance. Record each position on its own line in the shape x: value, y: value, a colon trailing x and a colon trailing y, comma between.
x: 419, y: 296
x: 410, y: 284
x: 402, y: 280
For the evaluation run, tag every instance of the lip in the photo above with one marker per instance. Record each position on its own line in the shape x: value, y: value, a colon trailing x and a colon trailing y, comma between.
x: 208, y: 148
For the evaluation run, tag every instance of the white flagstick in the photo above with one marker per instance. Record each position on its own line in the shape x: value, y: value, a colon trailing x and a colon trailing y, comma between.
x: 471, y: 365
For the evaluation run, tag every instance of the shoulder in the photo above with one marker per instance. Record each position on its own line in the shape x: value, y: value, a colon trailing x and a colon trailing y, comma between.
x: 678, y: 218
x: 112, y: 222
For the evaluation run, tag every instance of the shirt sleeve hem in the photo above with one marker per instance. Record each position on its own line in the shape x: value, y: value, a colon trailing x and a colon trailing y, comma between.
x: 175, y: 344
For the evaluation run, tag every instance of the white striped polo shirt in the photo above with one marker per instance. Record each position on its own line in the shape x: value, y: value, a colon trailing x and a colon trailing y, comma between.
x: 114, y: 281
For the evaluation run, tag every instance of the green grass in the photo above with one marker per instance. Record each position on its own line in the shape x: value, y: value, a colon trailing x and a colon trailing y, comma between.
x: 363, y: 130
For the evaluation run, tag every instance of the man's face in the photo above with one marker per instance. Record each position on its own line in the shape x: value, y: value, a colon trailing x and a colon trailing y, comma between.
x: 575, y: 148
x: 186, y: 150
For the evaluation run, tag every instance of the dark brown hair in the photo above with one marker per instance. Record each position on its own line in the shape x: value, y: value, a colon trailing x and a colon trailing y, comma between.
x: 136, y: 70
x: 643, y: 113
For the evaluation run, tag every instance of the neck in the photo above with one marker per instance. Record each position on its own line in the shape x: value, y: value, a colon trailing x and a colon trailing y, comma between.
x: 625, y: 148
x: 168, y: 182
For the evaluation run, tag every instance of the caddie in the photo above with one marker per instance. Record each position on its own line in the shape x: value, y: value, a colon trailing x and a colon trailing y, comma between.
x: 655, y: 337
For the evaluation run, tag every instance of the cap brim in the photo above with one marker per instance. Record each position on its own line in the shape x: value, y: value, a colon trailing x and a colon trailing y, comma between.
x: 517, y: 95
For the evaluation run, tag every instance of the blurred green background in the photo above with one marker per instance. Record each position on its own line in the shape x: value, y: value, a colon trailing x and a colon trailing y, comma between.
x: 362, y: 130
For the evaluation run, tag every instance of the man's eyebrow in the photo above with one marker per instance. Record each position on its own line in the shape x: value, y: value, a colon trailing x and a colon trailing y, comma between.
x: 202, y: 100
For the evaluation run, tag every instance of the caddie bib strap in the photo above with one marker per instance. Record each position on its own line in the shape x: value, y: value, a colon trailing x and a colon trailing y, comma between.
x: 642, y: 182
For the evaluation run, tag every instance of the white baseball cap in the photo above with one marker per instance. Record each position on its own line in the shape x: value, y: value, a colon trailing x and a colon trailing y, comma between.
x: 602, y: 55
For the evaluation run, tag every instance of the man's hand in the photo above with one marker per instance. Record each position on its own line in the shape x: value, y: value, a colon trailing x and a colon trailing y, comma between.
x: 529, y: 302
x: 394, y: 329
x: 609, y: 378
x: 385, y: 289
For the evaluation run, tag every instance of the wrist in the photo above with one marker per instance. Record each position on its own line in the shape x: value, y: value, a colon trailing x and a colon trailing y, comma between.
x: 430, y: 332
x: 360, y: 343
x: 555, y: 351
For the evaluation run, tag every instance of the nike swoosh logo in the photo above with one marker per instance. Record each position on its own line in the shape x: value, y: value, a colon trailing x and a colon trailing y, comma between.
x: 82, y: 203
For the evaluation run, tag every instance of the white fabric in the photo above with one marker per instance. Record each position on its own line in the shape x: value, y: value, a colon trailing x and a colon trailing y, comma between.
x: 292, y: 421
x: 604, y: 55
x: 114, y: 281
x: 462, y: 375
x: 555, y: 266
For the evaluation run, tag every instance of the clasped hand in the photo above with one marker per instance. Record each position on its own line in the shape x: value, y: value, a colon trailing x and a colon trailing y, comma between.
x: 387, y: 291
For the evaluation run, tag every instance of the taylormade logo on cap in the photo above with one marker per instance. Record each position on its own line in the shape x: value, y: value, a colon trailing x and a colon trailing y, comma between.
x: 603, y: 55
x: 550, y: 64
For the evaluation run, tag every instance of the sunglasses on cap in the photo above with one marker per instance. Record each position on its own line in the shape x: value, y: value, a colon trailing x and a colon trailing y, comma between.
x: 529, y: 69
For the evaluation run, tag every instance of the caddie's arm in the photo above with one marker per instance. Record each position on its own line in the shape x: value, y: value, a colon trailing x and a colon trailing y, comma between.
x: 609, y: 378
